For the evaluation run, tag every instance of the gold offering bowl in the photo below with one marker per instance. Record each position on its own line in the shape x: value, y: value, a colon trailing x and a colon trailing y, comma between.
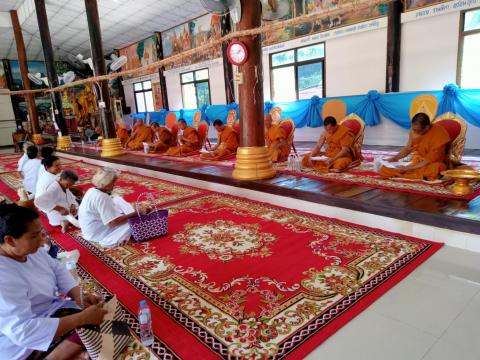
x: 463, y: 179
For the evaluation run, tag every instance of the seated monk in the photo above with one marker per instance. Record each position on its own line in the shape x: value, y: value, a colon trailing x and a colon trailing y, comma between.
x: 339, y: 140
x: 227, y: 142
x: 429, y: 145
x: 276, y: 141
x: 141, y: 133
x: 188, y: 138
x: 122, y: 134
x: 162, y: 138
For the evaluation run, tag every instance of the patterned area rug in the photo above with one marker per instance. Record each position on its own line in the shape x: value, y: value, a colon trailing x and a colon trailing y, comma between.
x: 224, y: 282
x: 129, y: 185
x: 364, y: 175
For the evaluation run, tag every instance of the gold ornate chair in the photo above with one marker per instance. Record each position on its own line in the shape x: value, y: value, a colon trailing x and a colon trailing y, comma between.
x: 231, y: 117
x: 172, y: 124
x: 197, y: 117
x: 426, y: 103
x: 356, y: 124
x: 276, y: 114
x: 289, y: 126
x: 457, y: 129
x: 202, y: 129
x: 336, y: 108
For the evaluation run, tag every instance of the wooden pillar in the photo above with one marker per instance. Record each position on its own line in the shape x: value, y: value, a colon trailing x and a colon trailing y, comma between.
x: 394, y: 36
x: 227, y: 66
x: 63, y: 141
x: 22, y: 61
x: 253, y: 159
x: 111, y: 146
x: 163, y: 83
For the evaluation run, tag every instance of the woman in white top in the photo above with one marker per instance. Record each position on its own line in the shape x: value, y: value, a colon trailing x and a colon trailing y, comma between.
x: 24, y: 157
x: 103, y: 218
x: 52, y: 168
x: 29, y: 169
x: 58, y: 202
x: 32, y: 315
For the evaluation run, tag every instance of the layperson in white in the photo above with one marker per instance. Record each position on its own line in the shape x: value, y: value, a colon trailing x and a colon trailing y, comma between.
x: 52, y: 169
x: 29, y: 170
x: 30, y: 318
x: 104, y: 218
x: 45, y: 152
x: 58, y: 202
x: 24, y: 157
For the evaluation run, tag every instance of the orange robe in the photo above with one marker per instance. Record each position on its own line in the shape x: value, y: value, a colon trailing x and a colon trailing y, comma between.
x: 274, y: 136
x: 342, y: 137
x: 191, y: 136
x: 140, y: 134
x: 162, y: 140
x: 122, y: 134
x: 228, y: 144
x: 431, y: 146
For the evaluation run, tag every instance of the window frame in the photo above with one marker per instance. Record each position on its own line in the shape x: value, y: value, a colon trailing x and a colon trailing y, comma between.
x: 462, y: 34
x: 143, y: 91
x: 195, y: 82
x: 296, y: 64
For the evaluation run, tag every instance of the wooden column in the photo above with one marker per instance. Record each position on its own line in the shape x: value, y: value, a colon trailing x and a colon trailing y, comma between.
x: 253, y: 159
x: 51, y: 71
x: 394, y: 36
x: 227, y: 66
x: 22, y: 61
x: 163, y: 83
x: 111, y: 146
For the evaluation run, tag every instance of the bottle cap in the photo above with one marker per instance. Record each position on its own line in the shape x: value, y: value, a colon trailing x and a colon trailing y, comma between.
x: 143, y: 302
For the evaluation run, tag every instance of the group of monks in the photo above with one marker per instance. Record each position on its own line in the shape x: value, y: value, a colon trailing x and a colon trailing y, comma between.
x: 160, y: 139
x: 428, y: 145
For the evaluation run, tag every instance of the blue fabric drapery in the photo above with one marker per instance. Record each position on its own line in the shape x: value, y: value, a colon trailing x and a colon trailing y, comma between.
x: 371, y: 107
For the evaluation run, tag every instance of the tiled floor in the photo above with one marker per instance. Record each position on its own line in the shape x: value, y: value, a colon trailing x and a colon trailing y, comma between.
x: 433, y: 314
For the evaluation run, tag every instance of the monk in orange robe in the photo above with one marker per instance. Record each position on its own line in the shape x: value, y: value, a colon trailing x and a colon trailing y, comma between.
x: 339, y: 153
x: 162, y: 138
x: 227, y: 142
x: 429, y: 145
x: 189, y: 141
x: 122, y: 134
x: 141, y: 133
x: 276, y: 141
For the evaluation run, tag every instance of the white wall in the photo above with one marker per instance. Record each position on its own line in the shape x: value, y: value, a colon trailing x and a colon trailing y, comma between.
x: 216, y: 78
x: 356, y: 64
x: 7, y: 120
x: 429, y: 52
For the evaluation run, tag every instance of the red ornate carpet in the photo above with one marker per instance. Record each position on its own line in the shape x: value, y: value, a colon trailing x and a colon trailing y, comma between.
x: 364, y: 175
x: 238, y: 278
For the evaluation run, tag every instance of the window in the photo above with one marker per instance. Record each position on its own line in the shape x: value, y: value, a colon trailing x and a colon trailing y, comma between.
x: 195, y: 89
x: 298, y: 73
x: 143, y: 96
x: 468, y: 75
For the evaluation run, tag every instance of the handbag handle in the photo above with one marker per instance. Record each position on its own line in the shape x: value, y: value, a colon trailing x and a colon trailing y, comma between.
x: 148, y: 196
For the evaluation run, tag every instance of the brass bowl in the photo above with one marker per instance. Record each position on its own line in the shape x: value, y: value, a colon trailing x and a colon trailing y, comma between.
x: 463, y: 179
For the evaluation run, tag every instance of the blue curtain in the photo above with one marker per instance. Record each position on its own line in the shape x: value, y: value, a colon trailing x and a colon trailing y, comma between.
x: 370, y: 107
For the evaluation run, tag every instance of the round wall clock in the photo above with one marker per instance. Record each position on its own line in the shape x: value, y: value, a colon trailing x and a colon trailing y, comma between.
x: 237, y: 53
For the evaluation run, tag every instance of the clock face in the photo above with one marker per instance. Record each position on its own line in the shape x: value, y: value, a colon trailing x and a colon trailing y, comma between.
x: 237, y: 53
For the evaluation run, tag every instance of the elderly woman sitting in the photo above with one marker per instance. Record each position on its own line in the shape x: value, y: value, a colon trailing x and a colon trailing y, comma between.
x: 104, y: 218
x: 59, y: 203
x: 34, y: 320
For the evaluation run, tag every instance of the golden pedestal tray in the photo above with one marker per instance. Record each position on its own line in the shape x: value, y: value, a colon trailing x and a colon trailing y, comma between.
x: 463, y: 179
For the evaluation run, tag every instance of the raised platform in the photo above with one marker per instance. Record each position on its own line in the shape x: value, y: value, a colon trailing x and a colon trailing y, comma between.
x: 437, y: 212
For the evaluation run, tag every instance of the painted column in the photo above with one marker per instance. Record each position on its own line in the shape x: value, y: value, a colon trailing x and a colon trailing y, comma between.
x: 111, y: 145
x: 23, y: 63
x: 64, y: 141
x: 253, y: 160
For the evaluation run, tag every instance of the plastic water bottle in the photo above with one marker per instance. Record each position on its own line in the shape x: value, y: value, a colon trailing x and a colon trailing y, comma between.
x: 145, y: 319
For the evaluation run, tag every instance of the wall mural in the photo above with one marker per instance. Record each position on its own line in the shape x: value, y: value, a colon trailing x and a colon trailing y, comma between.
x: 302, y: 7
x: 190, y: 35
x: 416, y: 4
x: 140, y: 54
x: 3, y: 77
